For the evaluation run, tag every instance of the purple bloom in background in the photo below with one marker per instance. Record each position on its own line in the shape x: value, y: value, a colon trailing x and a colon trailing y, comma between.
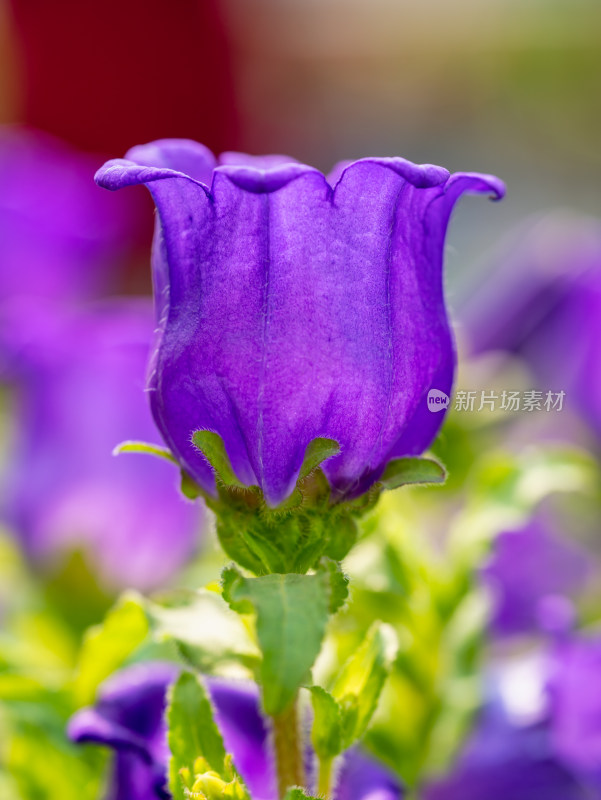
x: 292, y: 306
x: 543, y: 302
x: 539, y: 737
x: 59, y: 238
x: 504, y: 761
x: 527, y: 566
x: 78, y: 383
x: 575, y: 692
x: 129, y: 717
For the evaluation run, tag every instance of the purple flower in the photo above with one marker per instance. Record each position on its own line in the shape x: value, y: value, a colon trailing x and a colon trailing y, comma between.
x: 539, y: 737
x: 511, y: 754
x: 527, y: 566
x: 508, y: 762
x: 59, y: 238
x: 292, y: 306
x: 78, y: 391
x: 575, y: 692
x: 129, y: 717
x: 543, y: 303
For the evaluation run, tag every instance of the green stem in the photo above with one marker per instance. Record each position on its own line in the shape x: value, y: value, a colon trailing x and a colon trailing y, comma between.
x: 288, y: 751
x: 324, y: 777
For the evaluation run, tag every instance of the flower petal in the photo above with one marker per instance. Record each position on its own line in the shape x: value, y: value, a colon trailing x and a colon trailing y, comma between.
x: 298, y: 311
x: 245, y: 734
x: 363, y: 778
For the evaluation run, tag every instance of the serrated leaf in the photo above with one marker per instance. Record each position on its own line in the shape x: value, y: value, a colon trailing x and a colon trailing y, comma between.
x: 291, y: 615
x: 107, y: 646
x: 405, y: 471
x: 358, y: 685
x: 326, y: 733
x: 132, y: 446
x: 192, y: 732
x: 212, y: 447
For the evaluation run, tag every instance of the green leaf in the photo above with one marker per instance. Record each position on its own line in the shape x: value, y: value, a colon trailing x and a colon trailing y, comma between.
x: 213, y: 449
x: 107, y: 646
x: 404, y: 471
x: 131, y: 446
x: 291, y: 615
x: 326, y: 733
x: 358, y: 685
x: 193, y: 733
x: 206, y: 631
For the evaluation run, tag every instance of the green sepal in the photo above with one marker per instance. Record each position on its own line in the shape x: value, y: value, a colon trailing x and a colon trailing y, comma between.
x: 318, y: 450
x: 343, y: 533
x: 189, y: 488
x: 212, y: 447
x: 131, y: 446
x: 291, y: 613
x: 292, y: 537
x: 338, y: 583
x: 414, y: 470
x: 309, y: 524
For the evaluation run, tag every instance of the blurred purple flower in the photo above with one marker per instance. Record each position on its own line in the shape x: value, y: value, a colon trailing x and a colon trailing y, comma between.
x: 78, y: 385
x: 539, y: 737
x: 59, y: 238
x: 527, y: 566
x: 575, y: 694
x: 129, y: 717
x: 291, y: 307
x: 505, y: 761
x: 543, y: 302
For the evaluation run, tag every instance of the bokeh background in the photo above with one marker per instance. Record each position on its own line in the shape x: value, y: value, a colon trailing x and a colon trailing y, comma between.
x: 503, y: 86
x: 510, y: 87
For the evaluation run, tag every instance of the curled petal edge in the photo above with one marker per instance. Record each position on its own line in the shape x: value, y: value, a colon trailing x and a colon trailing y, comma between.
x: 132, y: 170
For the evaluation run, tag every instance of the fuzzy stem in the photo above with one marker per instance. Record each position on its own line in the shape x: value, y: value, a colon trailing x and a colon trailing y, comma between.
x: 288, y: 751
x: 324, y: 777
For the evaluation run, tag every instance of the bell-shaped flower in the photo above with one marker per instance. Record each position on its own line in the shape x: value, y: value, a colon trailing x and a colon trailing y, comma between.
x: 293, y: 306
